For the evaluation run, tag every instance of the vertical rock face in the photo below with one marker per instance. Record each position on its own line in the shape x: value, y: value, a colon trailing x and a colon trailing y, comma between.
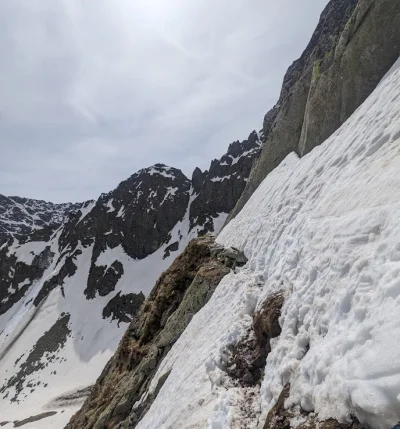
x: 354, y: 45
x: 138, y: 214
x: 218, y: 189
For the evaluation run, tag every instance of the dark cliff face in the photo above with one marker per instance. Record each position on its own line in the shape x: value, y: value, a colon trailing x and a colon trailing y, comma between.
x: 355, y: 44
x: 218, y: 189
x: 138, y: 214
x: 16, y: 276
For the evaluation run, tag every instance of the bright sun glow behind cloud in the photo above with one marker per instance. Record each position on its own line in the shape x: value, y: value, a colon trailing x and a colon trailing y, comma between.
x: 92, y: 91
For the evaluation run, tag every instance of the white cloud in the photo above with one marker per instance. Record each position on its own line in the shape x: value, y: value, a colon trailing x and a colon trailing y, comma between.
x: 92, y: 91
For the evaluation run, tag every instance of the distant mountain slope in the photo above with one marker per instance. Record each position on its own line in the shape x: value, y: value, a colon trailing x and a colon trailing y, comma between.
x: 218, y: 189
x: 22, y: 216
x: 68, y: 290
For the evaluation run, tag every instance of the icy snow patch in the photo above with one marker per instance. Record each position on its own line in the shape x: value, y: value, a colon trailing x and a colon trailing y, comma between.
x: 220, y: 179
x: 110, y: 206
x: 121, y: 211
x: 26, y: 252
x: 170, y: 193
x: 86, y: 210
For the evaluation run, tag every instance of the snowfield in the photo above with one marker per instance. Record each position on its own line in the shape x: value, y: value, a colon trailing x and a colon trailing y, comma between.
x: 326, y: 230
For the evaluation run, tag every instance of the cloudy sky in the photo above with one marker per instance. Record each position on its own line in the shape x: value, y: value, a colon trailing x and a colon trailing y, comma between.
x: 93, y: 90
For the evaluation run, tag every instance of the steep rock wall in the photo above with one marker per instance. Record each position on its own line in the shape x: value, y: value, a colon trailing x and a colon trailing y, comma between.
x: 354, y: 45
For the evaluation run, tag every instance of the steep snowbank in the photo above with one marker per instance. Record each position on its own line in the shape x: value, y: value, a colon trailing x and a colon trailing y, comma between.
x: 324, y: 228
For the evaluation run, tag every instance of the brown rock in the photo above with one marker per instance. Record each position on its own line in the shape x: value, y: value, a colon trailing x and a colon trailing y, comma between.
x: 279, y: 417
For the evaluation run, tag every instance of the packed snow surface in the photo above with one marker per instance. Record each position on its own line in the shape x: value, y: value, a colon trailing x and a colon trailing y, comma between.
x: 325, y: 229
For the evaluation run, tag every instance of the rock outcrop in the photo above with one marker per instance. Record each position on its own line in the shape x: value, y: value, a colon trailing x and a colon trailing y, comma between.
x: 178, y: 295
x: 248, y: 357
x: 354, y: 45
x: 218, y: 189
x: 281, y: 417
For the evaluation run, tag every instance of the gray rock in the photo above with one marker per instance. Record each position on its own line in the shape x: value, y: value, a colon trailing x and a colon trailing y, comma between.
x: 354, y: 45
x: 219, y: 188
x: 123, y: 307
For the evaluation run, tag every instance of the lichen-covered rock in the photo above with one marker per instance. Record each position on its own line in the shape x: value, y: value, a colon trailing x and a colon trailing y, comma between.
x: 346, y: 75
x: 178, y: 295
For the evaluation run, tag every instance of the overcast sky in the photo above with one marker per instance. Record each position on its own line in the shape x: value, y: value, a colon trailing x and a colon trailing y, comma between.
x: 93, y: 90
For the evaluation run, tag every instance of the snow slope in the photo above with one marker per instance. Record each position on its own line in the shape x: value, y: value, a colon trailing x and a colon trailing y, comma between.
x: 325, y: 229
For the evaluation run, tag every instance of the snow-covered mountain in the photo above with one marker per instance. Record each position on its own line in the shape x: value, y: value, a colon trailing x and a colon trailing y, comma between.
x: 322, y: 232
x: 69, y: 289
x: 23, y: 216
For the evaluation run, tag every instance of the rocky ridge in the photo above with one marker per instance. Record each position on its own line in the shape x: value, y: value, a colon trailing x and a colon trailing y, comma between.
x: 137, y: 217
x: 218, y: 189
x: 178, y: 295
x: 20, y: 217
